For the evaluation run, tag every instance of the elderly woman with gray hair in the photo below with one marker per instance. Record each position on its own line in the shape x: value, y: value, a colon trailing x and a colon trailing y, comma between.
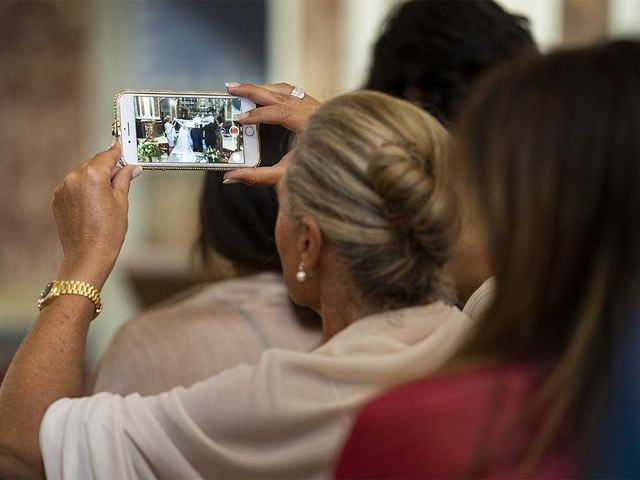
x: 365, y: 225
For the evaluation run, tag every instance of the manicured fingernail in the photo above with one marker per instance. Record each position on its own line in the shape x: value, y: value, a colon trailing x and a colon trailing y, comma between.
x: 112, y: 144
x: 231, y: 84
x: 136, y: 171
x: 228, y: 181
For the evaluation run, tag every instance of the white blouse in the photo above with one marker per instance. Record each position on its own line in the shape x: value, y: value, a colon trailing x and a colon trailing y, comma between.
x: 285, y: 417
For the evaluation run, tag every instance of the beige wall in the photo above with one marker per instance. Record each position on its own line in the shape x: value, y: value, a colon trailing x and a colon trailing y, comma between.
x: 44, y: 131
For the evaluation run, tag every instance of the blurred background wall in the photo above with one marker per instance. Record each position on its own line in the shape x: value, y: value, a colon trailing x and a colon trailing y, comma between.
x: 62, y: 63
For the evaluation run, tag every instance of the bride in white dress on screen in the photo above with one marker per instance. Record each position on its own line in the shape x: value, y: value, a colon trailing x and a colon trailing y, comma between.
x: 183, y: 152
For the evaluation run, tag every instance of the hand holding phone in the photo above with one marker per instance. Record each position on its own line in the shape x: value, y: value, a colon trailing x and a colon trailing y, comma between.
x: 90, y: 210
x: 277, y: 106
x: 170, y: 130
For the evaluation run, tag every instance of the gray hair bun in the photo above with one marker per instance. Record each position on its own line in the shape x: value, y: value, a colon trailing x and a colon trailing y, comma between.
x: 371, y: 170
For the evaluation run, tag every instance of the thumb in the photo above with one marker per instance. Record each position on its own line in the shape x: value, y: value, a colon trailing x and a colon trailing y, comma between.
x: 122, y: 179
x: 254, y: 176
x: 258, y: 176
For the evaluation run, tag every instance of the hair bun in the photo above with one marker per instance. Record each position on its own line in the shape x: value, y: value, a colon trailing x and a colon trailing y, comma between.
x: 384, y: 199
x: 404, y: 179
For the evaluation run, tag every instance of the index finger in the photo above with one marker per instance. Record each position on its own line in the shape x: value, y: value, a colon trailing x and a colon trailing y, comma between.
x: 268, y: 94
x: 276, y: 106
x: 106, y: 160
x: 290, y: 116
x: 286, y: 89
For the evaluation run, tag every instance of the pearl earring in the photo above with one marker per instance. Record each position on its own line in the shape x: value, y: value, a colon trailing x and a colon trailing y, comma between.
x: 301, y: 275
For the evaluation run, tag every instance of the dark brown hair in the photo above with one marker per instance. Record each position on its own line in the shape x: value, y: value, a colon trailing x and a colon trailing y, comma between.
x: 238, y: 221
x: 550, y: 148
x: 432, y: 52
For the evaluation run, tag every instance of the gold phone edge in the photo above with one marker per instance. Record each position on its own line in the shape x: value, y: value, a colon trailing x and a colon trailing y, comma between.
x: 115, y: 129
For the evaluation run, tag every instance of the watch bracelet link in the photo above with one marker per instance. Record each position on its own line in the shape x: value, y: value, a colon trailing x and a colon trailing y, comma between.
x: 78, y: 287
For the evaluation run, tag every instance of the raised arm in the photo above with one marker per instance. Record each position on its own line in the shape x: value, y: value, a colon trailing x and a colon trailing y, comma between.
x: 276, y: 106
x: 90, y: 207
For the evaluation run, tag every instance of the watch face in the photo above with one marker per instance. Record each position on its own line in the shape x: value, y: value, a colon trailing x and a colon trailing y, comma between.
x: 46, y: 290
x: 44, y: 295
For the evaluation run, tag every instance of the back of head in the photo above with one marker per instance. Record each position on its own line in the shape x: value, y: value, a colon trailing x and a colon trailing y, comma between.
x: 371, y: 169
x: 551, y: 150
x: 550, y: 147
x: 431, y: 52
x: 238, y: 221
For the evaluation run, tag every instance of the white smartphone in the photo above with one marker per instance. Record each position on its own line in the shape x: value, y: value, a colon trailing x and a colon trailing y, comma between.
x: 172, y: 130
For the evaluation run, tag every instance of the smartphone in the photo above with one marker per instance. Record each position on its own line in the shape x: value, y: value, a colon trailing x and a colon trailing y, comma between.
x: 172, y: 130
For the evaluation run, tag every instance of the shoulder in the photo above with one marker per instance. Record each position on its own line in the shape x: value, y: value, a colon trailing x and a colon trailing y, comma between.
x: 429, y: 398
x: 463, y: 389
x: 204, y: 312
x: 212, y: 300
x: 417, y: 427
x: 201, y: 333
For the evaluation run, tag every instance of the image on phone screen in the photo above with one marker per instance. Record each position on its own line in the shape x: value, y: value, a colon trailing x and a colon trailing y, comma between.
x: 188, y: 129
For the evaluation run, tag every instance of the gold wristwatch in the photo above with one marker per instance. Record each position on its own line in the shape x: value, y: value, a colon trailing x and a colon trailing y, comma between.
x: 70, y: 287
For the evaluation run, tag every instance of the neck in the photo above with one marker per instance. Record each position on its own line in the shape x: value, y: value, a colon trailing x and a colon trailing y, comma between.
x: 341, y: 302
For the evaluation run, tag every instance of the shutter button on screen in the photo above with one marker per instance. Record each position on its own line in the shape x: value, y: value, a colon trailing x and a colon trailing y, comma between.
x: 249, y: 131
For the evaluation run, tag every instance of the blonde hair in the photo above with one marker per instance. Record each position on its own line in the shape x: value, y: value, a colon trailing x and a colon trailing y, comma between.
x: 372, y: 170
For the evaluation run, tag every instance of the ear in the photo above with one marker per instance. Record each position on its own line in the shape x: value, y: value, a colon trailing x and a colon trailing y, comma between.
x: 309, y: 242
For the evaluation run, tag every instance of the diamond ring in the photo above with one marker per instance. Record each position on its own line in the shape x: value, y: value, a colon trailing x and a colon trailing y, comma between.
x: 297, y: 92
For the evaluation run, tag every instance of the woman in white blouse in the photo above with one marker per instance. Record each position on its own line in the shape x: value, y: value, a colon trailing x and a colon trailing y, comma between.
x: 365, y: 225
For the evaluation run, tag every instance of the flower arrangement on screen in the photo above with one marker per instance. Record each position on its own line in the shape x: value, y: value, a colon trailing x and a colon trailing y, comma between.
x: 148, y: 150
x: 214, y: 155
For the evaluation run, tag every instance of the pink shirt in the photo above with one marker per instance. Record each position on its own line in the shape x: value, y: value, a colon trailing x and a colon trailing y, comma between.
x: 443, y: 426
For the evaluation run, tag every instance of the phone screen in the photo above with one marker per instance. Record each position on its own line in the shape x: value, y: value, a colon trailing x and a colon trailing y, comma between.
x: 189, y: 129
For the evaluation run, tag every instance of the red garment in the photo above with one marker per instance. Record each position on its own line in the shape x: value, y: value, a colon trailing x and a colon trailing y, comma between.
x: 451, y: 426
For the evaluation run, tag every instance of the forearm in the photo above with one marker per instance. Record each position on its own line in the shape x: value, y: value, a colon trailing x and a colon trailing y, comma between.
x: 90, y: 207
x: 48, y: 366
